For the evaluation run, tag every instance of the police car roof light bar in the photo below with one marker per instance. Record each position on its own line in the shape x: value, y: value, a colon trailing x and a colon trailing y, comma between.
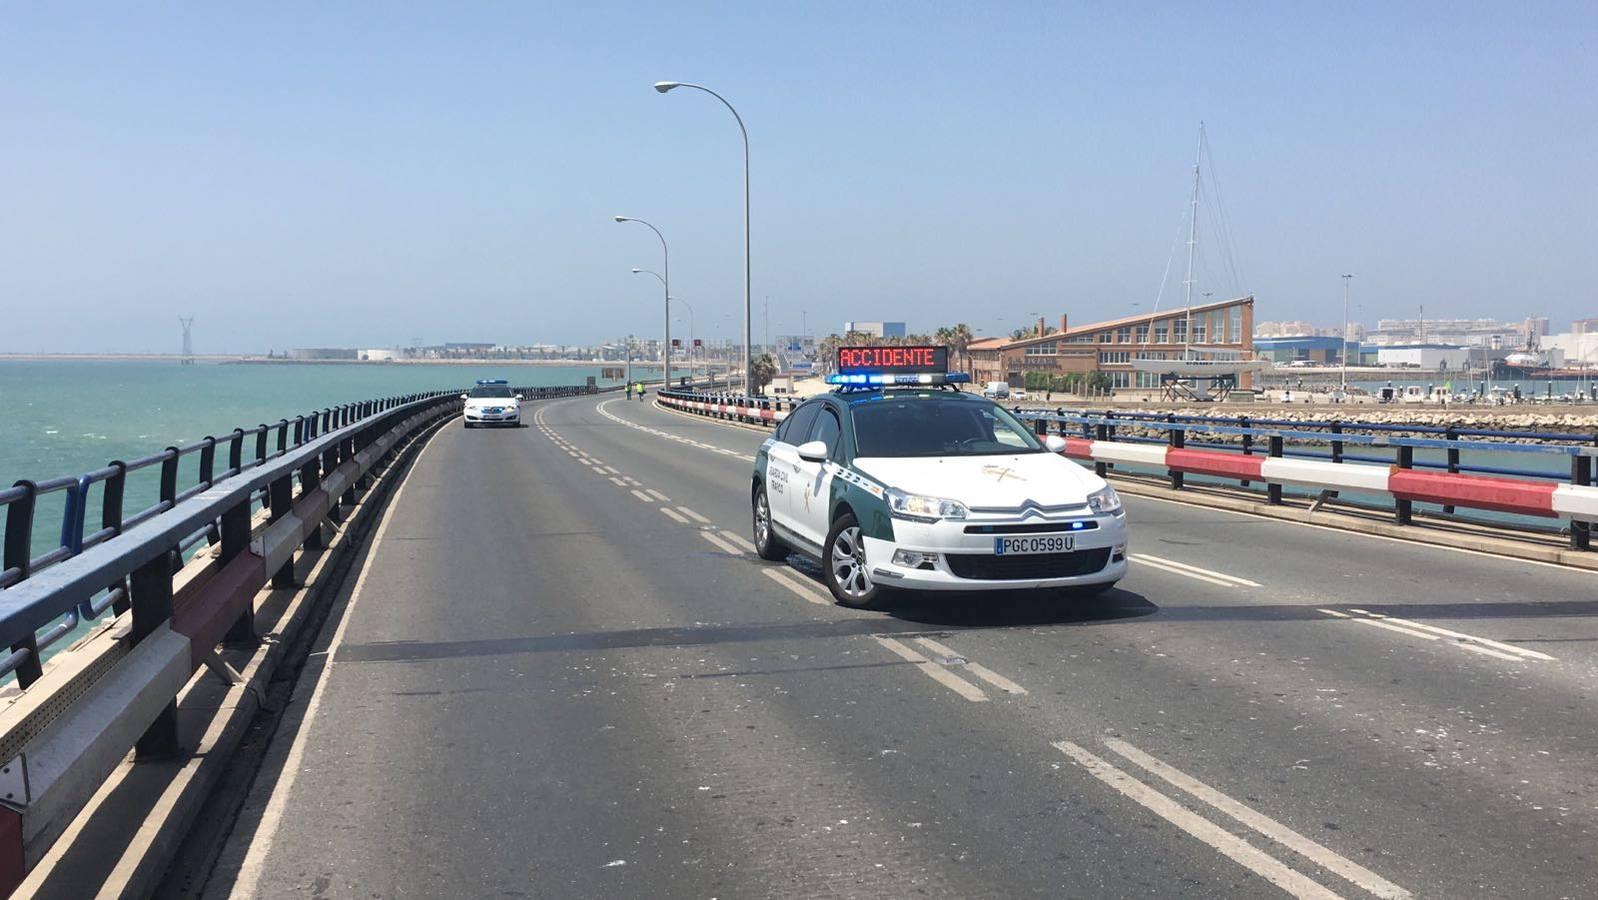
x: 869, y: 380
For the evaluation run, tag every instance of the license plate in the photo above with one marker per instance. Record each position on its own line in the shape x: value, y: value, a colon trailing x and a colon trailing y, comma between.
x: 1042, y: 543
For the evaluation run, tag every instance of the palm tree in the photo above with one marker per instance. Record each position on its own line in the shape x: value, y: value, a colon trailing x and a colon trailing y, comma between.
x: 763, y: 368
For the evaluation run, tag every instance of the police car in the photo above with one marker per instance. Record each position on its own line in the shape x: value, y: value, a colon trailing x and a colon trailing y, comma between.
x: 492, y: 402
x: 899, y: 480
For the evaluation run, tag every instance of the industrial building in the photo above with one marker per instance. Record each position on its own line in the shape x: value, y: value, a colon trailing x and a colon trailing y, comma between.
x: 1221, y: 330
x: 875, y: 329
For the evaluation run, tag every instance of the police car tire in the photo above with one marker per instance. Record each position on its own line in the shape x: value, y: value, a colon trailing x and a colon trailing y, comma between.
x: 872, y: 599
x: 773, y: 550
x: 468, y: 425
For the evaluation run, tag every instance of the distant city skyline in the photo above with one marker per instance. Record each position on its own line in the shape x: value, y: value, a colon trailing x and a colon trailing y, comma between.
x: 360, y: 176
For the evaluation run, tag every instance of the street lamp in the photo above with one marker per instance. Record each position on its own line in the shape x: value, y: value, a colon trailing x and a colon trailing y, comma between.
x: 663, y: 87
x: 662, y: 280
x: 665, y: 280
x: 1346, y: 279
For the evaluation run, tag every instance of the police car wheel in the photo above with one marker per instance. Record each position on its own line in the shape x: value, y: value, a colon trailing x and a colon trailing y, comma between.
x: 469, y: 425
x: 844, y: 566
x: 766, y: 544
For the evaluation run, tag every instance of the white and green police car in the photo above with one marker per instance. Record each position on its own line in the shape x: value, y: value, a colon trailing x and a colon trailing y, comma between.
x: 492, y: 402
x: 899, y: 481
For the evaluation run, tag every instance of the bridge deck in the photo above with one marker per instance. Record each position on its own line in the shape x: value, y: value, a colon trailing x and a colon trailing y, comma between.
x: 546, y: 684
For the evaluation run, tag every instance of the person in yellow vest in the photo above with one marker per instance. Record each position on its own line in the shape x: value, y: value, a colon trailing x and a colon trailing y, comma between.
x: 640, y: 387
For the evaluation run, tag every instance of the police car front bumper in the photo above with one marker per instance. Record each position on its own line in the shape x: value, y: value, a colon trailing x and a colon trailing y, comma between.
x: 958, y: 555
x: 481, y: 417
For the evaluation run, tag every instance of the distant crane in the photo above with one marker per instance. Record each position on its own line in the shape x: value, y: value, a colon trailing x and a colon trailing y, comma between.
x: 188, y: 340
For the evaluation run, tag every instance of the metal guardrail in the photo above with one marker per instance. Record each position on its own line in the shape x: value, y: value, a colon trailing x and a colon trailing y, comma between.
x: 1270, y: 437
x: 245, y: 450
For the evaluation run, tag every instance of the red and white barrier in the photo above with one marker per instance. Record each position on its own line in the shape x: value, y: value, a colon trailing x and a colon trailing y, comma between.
x: 752, y: 413
x: 1512, y: 495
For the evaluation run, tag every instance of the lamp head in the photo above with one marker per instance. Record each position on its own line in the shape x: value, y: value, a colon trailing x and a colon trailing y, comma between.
x: 664, y: 86
x: 622, y: 219
x: 636, y: 271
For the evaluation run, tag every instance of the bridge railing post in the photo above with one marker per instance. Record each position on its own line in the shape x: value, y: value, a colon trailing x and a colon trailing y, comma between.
x: 1248, y: 440
x: 1178, y: 440
x: 1404, y: 510
x: 235, y: 540
x: 1453, y: 462
x: 151, y: 598
x: 1581, y: 475
x: 1273, y: 490
x: 18, y: 554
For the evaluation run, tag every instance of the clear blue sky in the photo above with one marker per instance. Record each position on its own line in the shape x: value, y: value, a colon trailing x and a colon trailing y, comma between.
x: 340, y: 174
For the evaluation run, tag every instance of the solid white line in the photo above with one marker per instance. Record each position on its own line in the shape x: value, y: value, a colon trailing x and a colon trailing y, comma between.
x: 693, y: 515
x: 977, y: 669
x: 803, y: 590
x: 742, y: 542
x: 250, y: 870
x: 672, y: 513
x: 1380, y: 624
x: 1181, y: 565
x: 1483, y: 650
x: 1229, y: 845
x: 1169, y: 570
x: 1333, y: 612
x: 934, y: 671
x: 1501, y: 647
x: 643, y: 497
x: 1276, y: 831
x: 657, y: 495
x: 716, y: 539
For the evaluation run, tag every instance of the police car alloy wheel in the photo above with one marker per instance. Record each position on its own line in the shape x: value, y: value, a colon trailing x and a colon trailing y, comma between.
x: 845, y: 568
x: 766, y: 544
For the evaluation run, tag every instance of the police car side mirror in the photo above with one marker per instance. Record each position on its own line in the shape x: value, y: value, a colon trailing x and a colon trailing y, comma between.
x: 1054, y: 444
x: 463, y: 396
x: 814, y: 451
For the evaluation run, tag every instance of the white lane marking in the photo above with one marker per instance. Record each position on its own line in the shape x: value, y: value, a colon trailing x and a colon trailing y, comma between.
x: 657, y: 495
x: 1459, y: 636
x: 1333, y: 612
x: 977, y: 669
x: 1409, y: 631
x: 672, y: 513
x: 1483, y: 650
x: 643, y: 497
x: 716, y: 539
x: 250, y: 870
x: 617, y: 481
x: 1276, y: 831
x: 804, y: 590
x: 934, y: 671
x: 667, y: 435
x: 634, y: 482
x: 607, y: 470
x: 738, y: 540
x: 1211, y: 573
x: 1193, y: 575
x: 1229, y: 845
x: 571, y: 453
x: 693, y: 515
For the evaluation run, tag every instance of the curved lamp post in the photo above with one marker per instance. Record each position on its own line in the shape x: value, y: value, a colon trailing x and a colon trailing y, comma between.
x: 662, y: 279
x: 665, y: 280
x: 663, y: 87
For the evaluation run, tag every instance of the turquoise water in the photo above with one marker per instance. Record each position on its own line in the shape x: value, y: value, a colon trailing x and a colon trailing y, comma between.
x: 68, y: 417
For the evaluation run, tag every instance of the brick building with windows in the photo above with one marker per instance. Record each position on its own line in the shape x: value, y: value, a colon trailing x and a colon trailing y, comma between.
x: 1223, y: 329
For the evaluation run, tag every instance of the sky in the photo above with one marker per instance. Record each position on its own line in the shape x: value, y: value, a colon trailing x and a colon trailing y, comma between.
x: 370, y: 174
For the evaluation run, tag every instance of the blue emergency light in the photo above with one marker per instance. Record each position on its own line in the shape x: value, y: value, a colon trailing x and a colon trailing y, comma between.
x: 492, y: 381
x: 887, y: 379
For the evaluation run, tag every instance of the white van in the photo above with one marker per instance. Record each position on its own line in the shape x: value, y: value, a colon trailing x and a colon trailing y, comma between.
x: 996, y: 390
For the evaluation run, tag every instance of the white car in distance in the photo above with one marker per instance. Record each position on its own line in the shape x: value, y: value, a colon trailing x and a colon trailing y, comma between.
x: 491, y: 402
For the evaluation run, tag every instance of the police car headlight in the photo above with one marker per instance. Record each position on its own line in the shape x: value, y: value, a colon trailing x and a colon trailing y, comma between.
x: 926, y: 509
x: 1105, y: 501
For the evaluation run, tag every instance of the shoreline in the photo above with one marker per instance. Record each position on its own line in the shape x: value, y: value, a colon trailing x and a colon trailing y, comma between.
x: 248, y: 359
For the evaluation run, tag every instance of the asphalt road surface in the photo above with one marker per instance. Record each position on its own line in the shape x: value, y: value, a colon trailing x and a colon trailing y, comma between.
x: 562, y: 673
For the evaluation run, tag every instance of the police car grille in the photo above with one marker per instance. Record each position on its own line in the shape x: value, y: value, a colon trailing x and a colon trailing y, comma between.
x: 987, y: 567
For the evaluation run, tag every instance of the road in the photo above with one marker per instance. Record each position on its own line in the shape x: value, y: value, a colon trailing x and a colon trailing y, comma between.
x: 562, y: 673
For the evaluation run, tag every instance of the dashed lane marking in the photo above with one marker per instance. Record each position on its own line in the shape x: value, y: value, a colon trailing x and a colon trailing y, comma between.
x: 797, y: 584
x: 934, y: 671
x: 657, y: 495
x: 1229, y: 845
x: 1484, y: 646
x: 1206, y: 575
x: 672, y: 514
x: 951, y: 657
x: 643, y: 497
x: 618, y: 482
x: 693, y: 515
x: 720, y: 543
x: 1265, y: 825
x: 737, y: 540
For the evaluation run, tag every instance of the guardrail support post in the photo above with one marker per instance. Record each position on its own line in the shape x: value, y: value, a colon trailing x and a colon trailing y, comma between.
x: 235, y: 540
x: 281, y: 493
x: 1404, y: 510
x: 17, y: 554
x: 310, y: 479
x: 1580, y: 531
x: 1040, y: 427
x: 1273, y: 490
x: 1248, y: 441
x: 1178, y: 441
x: 1101, y: 432
x: 1453, y: 462
x: 152, y: 606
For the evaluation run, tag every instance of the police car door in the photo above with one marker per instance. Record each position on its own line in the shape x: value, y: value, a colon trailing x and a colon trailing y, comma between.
x: 812, y: 482
x: 782, y: 463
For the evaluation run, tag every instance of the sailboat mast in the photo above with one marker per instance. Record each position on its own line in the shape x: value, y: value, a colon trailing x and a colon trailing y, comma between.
x: 1192, y: 245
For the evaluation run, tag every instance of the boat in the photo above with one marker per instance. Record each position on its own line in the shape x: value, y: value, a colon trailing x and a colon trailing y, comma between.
x: 1200, y: 373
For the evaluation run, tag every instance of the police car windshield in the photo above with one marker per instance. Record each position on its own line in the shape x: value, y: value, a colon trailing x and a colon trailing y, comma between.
x: 492, y: 390
x: 935, y: 426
